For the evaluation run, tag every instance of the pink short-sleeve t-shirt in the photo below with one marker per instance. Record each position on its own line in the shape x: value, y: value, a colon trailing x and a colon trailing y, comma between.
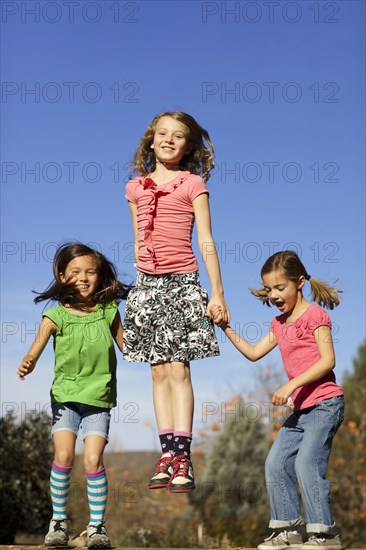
x: 299, y: 352
x: 165, y: 219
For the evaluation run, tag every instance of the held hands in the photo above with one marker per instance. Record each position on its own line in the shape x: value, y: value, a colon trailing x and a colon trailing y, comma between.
x: 217, y: 301
x: 26, y: 366
x: 217, y: 315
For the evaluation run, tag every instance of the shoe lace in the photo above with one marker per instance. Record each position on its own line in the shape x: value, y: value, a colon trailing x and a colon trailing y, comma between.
x: 98, y: 530
x: 59, y: 525
x: 316, y: 538
x: 180, y: 466
x: 162, y: 464
x: 281, y: 536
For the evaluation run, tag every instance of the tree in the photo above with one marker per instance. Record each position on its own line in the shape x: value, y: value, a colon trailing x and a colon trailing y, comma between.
x: 25, y: 459
x: 230, y: 497
x: 347, y: 465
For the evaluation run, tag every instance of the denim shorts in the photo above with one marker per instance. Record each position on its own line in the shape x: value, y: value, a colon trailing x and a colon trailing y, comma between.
x: 73, y: 416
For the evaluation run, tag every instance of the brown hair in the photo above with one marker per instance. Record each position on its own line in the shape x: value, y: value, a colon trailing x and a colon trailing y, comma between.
x: 322, y: 293
x: 109, y: 288
x: 198, y: 161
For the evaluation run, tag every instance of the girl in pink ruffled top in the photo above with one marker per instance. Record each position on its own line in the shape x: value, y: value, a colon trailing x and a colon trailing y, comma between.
x: 302, y: 448
x: 167, y: 318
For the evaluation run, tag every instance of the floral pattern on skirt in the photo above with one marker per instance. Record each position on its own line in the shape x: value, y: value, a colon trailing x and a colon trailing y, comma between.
x: 165, y: 320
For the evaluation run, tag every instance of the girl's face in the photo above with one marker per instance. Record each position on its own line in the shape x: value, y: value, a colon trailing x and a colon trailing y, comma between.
x: 282, y: 293
x: 83, y: 273
x: 170, y: 141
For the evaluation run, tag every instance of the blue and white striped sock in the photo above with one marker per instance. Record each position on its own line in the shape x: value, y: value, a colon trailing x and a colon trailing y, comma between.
x: 60, y: 488
x: 97, y: 495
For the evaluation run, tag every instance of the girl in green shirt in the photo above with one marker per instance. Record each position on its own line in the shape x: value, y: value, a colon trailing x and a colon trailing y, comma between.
x: 84, y: 326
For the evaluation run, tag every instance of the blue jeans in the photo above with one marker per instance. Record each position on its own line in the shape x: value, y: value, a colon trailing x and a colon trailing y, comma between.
x: 301, y: 452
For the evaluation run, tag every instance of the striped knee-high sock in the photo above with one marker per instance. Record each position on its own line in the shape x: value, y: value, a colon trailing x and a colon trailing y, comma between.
x: 60, y: 487
x: 97, y: 495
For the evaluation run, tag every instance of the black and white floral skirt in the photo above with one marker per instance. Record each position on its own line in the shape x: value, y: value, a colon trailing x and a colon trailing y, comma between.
x: 165, y: 320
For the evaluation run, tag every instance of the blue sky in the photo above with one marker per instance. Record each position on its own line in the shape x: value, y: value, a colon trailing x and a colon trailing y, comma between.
x: 280, y: 88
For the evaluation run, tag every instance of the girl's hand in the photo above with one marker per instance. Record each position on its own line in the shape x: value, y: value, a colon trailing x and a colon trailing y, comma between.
x: 281, y: 396
x: 26, y: 366
x: 217, y: 316
x: 220, y: 302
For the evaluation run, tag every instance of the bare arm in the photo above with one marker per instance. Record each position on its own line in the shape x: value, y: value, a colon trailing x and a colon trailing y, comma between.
x: 253, y: 352
x: 133, y: 210
x: 117, y: 331
x: 209, y: 255
x: 325, y: 364
x: 28, y: 363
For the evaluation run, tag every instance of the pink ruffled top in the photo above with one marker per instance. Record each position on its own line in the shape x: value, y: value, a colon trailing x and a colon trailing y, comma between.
x: 165, y: 219
x: 299, y: 352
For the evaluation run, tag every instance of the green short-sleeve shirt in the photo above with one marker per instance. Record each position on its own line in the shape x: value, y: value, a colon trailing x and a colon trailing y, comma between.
x: 85, y: 356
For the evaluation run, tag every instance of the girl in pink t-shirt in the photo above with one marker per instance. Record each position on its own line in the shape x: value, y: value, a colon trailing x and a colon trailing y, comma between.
x: 167, y: 318
x: 302, y: 448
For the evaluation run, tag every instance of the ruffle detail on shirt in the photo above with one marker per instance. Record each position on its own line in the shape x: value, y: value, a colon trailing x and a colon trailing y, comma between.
x: 304, y: 325
x: 154, y: 191
x: 301, y: 326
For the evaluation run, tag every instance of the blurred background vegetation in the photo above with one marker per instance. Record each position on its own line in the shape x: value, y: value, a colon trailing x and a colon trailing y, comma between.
x: 229, y: 506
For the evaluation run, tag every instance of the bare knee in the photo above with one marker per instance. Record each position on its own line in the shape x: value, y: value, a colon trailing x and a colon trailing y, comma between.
x: 64, y: 458
x: 64, y: 442
x: 93, y: 461
x: 160, y: 373
x: 180, y: 373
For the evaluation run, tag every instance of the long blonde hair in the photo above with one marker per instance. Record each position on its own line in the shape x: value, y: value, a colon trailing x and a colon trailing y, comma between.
x: 198, y: 161
x: 322, y: 293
